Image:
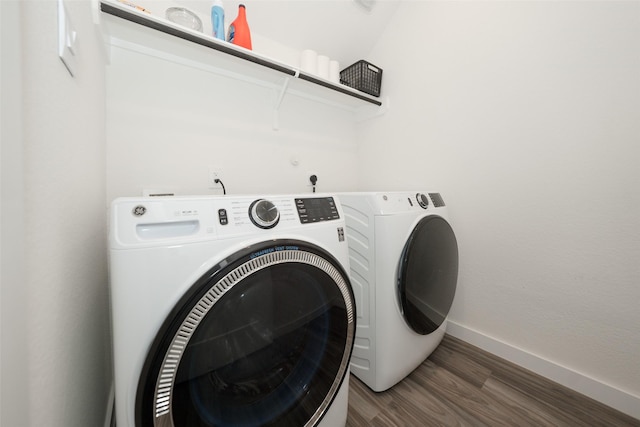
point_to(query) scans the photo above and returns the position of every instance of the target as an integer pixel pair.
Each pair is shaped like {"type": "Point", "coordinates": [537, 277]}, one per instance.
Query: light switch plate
{"type": "Point", "coordinates": [67, 39]}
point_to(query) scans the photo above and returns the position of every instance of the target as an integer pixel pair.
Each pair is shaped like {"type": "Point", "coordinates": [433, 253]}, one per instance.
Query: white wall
{"type": "Point", "coordinates": [13, 300]}
{"type": "Point", "coordinates": [526, 116]}
{"type": "Point", "coordinates": [64, 378]}
{"type": "Point", "coordinates": [168, 122]}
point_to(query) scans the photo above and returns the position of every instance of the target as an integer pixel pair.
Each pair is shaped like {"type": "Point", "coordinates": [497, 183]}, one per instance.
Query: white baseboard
{"type": "Point", "coordinates": [604, 393]}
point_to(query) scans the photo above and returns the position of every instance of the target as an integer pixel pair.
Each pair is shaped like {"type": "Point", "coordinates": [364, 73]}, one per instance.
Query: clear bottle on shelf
{"type": "Point", "coordinates": [217, 19]}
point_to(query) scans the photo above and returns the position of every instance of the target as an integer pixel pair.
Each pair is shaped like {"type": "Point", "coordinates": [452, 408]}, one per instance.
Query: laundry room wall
{"type": "Point", "coordinates": [526, 116]}
{"type": "Point", "coordinates": [169, 120]}
{"type": "Point", "coordinates": [172, 121]}
{"type": "Point", "coordinates": [13, 299]}
{"type": "Point", "coordinates": [57, 369]}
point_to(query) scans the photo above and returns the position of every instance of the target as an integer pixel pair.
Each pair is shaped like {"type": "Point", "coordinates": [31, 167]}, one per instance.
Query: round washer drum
{"type": "Point", "coordinates": [245, 347]}
{"type": "Point", "coordinates": [427, 274]}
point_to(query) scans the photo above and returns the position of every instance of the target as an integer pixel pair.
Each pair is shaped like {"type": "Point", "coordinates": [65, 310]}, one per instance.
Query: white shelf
{"type": "Point", "coordinates": [132, 29]}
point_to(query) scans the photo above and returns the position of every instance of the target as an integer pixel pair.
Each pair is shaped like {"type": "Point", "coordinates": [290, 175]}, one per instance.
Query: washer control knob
{"type": "Point", "coordinates": [423, 200]}
{"type": "Point", "coordinates": [264, 213]}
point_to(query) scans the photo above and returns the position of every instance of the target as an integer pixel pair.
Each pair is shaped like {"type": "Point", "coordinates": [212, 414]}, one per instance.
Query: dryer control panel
{"type": "Point", "coordinates": [317, 209]}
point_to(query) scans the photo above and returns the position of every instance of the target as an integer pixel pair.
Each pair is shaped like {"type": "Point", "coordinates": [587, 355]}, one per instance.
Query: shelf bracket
{"type": "Point", "coordinates": [279, 98]}
{"type": "Point", "coordinates": [367, 112]}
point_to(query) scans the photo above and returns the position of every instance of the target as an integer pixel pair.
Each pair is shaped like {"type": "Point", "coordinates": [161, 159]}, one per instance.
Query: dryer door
{"type": "Point", "coordinates": [263, 339]}
{"type": "Point", "coordinates": [428, 274]}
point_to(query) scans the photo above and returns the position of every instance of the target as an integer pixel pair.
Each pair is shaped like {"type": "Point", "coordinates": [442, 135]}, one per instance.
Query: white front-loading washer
{"type": "Point", "coordinates": [230, 311]}
{"type": "Point", "coordinates": [404, 270]}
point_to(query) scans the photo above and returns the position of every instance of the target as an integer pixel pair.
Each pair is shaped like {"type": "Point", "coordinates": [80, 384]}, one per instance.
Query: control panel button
{"type": "Point", "coordinates": [222, 217]}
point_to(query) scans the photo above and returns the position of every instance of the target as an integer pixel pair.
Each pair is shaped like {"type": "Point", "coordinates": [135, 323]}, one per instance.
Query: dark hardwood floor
{"type": "Point", "coordinates": [461, 385]}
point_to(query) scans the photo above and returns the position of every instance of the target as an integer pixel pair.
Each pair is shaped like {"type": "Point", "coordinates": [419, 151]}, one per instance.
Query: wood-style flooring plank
{"type": "Point", "coordinates": [467, 400]}
{"type": "Point", "coordinates": [536, 413]}
{"type": "Point", "coordinates": [461, 385]}
{"type": "Point", "coordinates": [411, 394]}
{"type": "Point", "coordinates": [579, 409]}
{"type": "Point", "coordinates": [460, 365]}
{"type": "Point", "coordinates": [364, 404]}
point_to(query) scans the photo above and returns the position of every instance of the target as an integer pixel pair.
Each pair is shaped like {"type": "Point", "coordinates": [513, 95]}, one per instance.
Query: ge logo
{"type": "Point", "coordinates": [139, 210]}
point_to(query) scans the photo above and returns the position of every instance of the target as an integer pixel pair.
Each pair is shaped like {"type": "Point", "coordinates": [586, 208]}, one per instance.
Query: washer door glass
{"type": "Point", "coordinates": [428, 274]}
{"type": "Point", "coordinates": [262, 340]}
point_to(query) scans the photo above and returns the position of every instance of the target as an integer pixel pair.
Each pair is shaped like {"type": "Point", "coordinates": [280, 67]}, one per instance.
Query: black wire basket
{"type": "Point", "coordinates": [363, 76]}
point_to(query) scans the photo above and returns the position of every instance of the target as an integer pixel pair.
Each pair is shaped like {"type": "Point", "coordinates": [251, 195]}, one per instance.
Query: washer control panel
{"type": "Point", "coordinates": [147, 221]}
{"type": "Point", "coordinates": [316, 209]}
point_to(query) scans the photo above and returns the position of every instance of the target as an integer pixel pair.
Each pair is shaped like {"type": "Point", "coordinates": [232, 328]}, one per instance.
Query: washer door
{"type": "Point", "coordinates": [428, 274]}
{"type": "Point", "coordinates": [263, 339]}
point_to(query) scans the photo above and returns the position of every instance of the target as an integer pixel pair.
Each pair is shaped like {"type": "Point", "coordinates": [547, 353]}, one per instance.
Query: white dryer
{"type": "Point", "coordinates": [230, 311]}
{"type": "Point", "coordinates": [404, 269]}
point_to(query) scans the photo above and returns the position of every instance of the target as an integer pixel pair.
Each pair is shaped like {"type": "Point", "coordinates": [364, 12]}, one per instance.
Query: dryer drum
{"type": "Point", "coordinates": [262, 339]}
{"type": "Point", "coordinates": [428, 274]}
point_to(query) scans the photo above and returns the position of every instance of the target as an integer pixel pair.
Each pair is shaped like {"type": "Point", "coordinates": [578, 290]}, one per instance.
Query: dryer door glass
{"type": "Point", "coordinates": [264, 340]}
{"type": "Point", "coordinates": [428, 274]}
